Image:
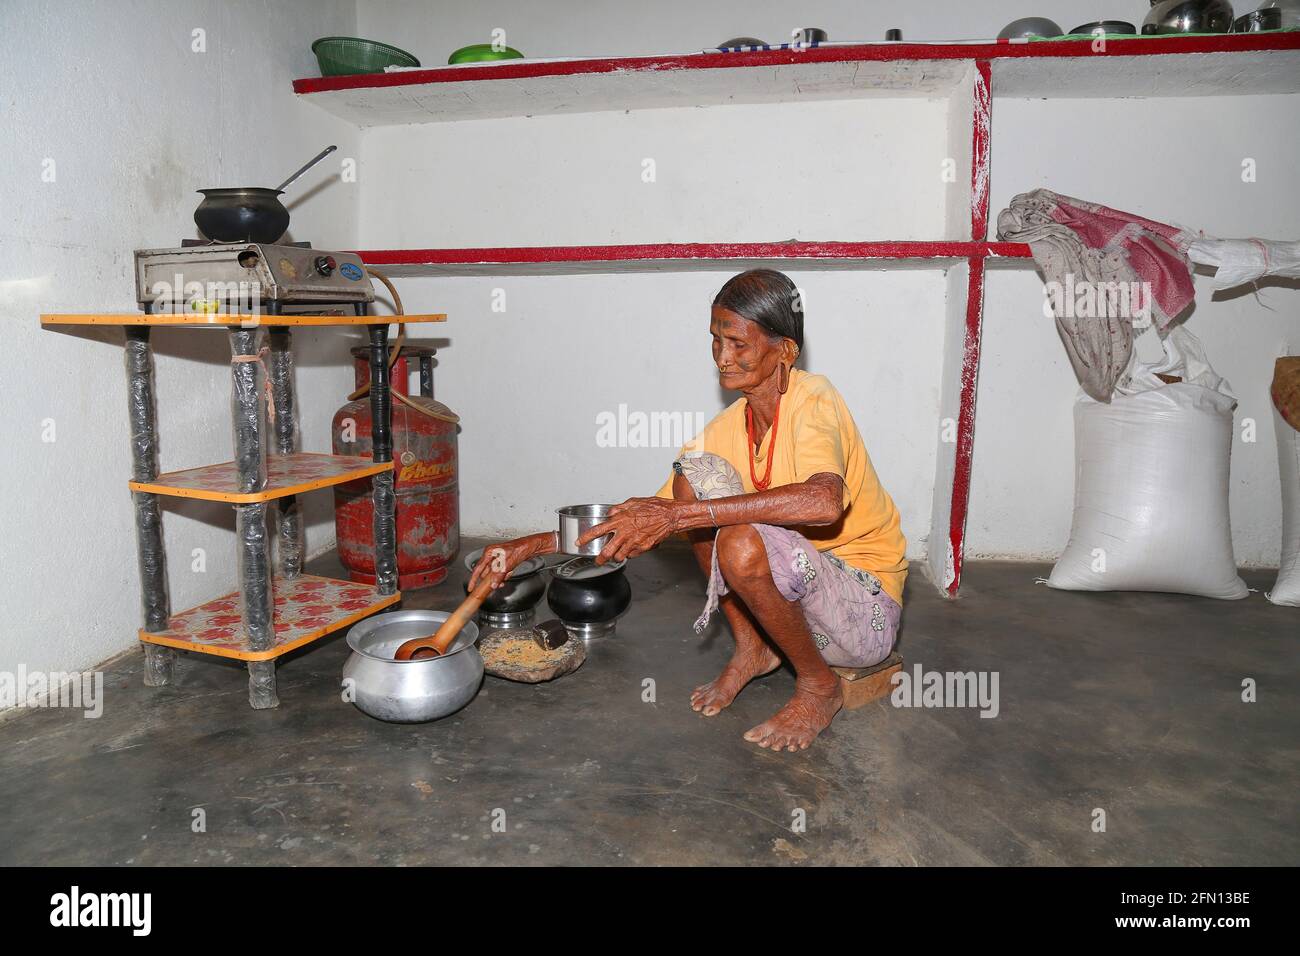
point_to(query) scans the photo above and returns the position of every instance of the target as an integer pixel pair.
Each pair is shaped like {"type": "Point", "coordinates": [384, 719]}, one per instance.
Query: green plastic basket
{"type": "Point", "coordinates": [345, 56]}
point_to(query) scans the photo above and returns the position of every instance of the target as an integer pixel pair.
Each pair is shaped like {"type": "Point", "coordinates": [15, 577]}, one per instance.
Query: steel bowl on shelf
{"type": "Point", "coordinates": [410, 692]}
{"type": "Point", "coordinates": [574, 520]}
{"type": "Point", "coordinates": [1288, 9]}
{"type": "Point", "coordinates": [1030, 27]}
{"type": "Point", "coordinates": [1107, 28]}
{"type": "Point", "coordinates": [1188, 16]}
{"type": "Point", "coordinates": [1258, 21]}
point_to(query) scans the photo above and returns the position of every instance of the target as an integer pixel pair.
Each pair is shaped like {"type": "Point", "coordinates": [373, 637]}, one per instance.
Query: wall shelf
{"type": "Point", "coordinates": [684, 257]}
{"type": "Point", "coordinates": [1231, 64]}
{"type": "Point", "coordinates": [292, 474]}
{"type": "Point", "coordinates": [306, 609]}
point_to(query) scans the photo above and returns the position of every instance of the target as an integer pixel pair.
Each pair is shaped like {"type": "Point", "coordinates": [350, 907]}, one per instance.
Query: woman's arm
{"type": "Point", "coordinates": [500, 559]}
{"type": "Point", "coordinates": [816, 501]}
{"type": "Point", "coordinates": [640, 524]}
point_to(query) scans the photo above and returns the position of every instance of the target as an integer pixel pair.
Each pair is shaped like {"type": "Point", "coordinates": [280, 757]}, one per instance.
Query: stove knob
{"type": "Point", "coordinates": [325, 265]}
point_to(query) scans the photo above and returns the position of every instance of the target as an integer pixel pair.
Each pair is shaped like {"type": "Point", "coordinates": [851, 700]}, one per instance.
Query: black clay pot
{"type": "Point", "coordinates": [244, 214]}
{"type": "Point", "coordinates": [588, 606]}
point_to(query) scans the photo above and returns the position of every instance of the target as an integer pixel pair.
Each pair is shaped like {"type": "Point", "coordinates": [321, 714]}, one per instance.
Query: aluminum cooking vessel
{"type": "Point", "coordinates": [414, 691]}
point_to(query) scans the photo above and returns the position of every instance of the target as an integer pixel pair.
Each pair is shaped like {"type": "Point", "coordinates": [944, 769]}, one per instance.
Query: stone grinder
{"type": "Point", "coordinates": [436, 644]}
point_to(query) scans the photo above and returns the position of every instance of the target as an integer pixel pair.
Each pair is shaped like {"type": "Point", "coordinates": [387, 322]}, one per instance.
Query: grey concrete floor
{"type": "Point", "coordinates": [1128, 703]}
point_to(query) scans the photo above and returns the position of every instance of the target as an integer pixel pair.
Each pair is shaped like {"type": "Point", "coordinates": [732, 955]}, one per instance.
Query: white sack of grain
{"type": "Point", "coordinates": [1151, 483]}
{"type": "Point", "coordinates": [1287, 588]}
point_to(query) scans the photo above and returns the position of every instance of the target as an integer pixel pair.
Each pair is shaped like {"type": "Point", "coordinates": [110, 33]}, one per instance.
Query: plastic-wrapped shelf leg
{"type": "Point", "coordinates": [254, 574]}
{"type": "Point", "coordinates": [289, 512]}
{"type": "Point", "coordinates": [254, 553]}
{"type": "Point", "coordinates": [291, 536]}
{"type": "Point", "coordinates": [281, 372]}
{"type": "Point", "coordinates": [159, 661]}
{"type": "Point", "coordinates": [261, 685]}
{"type": "Point", "coordinates": [248, 410]}
{"type": "Point", "coordinates": [159, 665]}
{"type": "Point", "coordinates": [385, 498]}
{"type": "Point", "coordinates": [255, 589]}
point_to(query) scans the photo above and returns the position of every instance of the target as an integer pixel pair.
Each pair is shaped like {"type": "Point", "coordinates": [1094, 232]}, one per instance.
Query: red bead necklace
{"type": "Point", "coordinates": [771, 445]}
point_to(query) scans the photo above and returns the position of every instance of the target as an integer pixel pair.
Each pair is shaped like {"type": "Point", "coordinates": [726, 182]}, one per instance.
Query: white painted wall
{"type": "Point", "coordinates": [1178, 161]}
{"type": "Point", "coordinates": [432, 30]}
{"type": "Point", "coordinates": [135, 122]}
{"type": "Point", "coordinates": [557, 180]}
{"type": "Point", "coordinates": [530, 383]}
{"type": "Point", "coordinates": [760, 173]}
{"type": "Point", "coordinates": [729, 173]}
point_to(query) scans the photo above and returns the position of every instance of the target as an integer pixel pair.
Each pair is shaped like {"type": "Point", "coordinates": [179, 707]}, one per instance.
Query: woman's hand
{"type": "Point", "coordinates": [500, 559]}
{"type": "Point", "coordinates": [638, 525]}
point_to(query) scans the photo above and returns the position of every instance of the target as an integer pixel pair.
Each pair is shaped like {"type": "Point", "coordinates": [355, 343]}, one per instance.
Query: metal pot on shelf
{"type": "Point", "coordinates": [1288, 13]}
{"type": "Point", "coordinates": [1027, 27]}
{"type": "Point", "coordinates": [1188, 16]}
{"type": "Point", "coordinates": [1103, 28]}
{"type": "Point", "coordinates": [1259, 21]}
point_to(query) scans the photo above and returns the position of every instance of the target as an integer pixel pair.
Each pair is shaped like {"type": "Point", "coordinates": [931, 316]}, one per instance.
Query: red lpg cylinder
{"type": "Point", "coordinates": [425, 469]}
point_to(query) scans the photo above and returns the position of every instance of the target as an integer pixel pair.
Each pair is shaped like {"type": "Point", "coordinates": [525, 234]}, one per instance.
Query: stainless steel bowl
{"type": "Point", "coordinates": [410, 692]}
{"type": "Point", "coordinates": [511, 605]}
{"type": "Point", "coordinates": [1107, 28]}
{"type": "Point", "coordinates": [1030, 27]}
{"type": "Point", "coordinates": [1259, 21]}
{"type": "Point", "coordinates": [574, 520]}
{"type": "Point", "coordinates": [1188, 16]}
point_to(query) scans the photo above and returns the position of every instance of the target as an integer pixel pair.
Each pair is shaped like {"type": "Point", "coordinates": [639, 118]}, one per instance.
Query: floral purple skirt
{"type": "Point", "coordinates": [852, 619]}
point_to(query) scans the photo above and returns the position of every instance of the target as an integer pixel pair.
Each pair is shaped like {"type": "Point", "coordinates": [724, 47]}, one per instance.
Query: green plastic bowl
{"type": "Point", "coordinates": [346, 56]}
{"type": "Point", "coordinates": [481, 52]}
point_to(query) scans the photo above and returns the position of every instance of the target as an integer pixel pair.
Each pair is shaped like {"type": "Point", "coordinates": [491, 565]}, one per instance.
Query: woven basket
{"type": "Point", "coordinates": [346, 56]}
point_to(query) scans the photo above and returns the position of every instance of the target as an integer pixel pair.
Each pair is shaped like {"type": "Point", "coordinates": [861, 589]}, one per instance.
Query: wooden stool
{"type": "Point", "coordinates": [862, 685]}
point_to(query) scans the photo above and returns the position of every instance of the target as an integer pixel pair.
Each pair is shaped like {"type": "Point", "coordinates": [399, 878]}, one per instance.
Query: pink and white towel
{"type": "Point", "coordinates": [1081, 245]}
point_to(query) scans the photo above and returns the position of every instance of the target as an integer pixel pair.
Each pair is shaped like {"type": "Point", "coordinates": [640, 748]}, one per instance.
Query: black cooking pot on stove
{"type": "Point", "coordinates": [588, 597]}
{"type": "Point", "coordinates": [242, 214]}
{"type": "Point", "coordinates": [248, 213]}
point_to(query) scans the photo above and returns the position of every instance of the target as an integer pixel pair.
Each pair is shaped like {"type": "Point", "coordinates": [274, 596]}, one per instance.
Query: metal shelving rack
{"type": "Point", "coordinates": [269, 615]}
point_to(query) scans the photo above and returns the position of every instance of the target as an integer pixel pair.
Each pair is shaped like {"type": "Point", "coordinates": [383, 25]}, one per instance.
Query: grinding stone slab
{"type": "Point", "coordinates": [574, 653]}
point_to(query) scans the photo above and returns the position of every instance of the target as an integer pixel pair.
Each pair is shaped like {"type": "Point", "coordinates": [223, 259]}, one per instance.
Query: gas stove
{"type": "Point", "coordinates": [250, 276]}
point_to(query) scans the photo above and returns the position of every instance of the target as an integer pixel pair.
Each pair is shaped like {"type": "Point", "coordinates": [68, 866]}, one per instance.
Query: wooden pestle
{"type": "Point", "coordinates": [436, 644]}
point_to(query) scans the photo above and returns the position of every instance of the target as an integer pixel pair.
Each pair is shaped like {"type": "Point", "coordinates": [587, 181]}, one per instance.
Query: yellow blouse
{"type": "Point", "coordinates": [817, 434]}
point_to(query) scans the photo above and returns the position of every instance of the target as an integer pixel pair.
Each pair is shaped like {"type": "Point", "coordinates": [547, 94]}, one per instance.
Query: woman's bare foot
{"type": "Point", "coordinates": [754, 660]}
{"type": "Point", "coordinates": [804, 716]}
